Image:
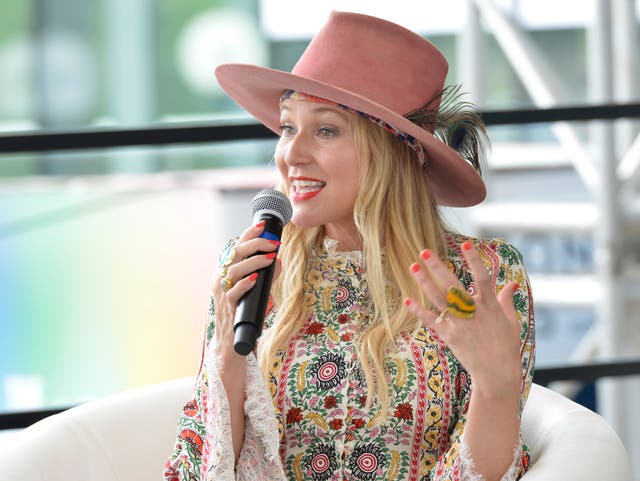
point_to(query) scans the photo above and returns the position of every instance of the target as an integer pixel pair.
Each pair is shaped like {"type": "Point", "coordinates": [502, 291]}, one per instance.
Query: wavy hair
{"type": "Point", "coordinates": [396, 215]}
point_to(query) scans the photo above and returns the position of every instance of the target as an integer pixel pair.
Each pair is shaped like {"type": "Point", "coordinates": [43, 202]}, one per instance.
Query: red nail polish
{"type": "Point", "coordinates": [415, 267]}
{"type": "Point", "coordinates": [260, 224]}
{"type": "Point", "coordinates": [253, 276]}
{"type": "Point", "coordinates": [515, 287]}
{"type": "Point", "coordinates": [425, 254]}
{"type": "Point", "coordinates": [275, 242]}
{"type": "Point", "coordinates": [466, 245]}
{"type": "Point", "coordinates": [407, 302]}
{"type": "Point", "coordinates": [270, 255]}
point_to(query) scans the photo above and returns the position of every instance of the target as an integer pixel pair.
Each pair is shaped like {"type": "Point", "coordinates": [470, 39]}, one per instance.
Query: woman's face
{"type": "Point", "coordinates": [316, 157]}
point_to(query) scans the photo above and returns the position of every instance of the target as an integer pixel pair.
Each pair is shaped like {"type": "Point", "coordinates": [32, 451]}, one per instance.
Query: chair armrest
{"type": "Point", "coordinates": [568, 441]}
{"type": "Point", "coordinates": [124, 436]}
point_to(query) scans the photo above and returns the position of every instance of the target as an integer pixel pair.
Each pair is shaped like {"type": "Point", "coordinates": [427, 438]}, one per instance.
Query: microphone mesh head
{"type": "Point", "coordinates": [271, 201]}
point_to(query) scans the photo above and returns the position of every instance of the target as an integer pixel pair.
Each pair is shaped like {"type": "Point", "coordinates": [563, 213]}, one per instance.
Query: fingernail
{"type": "Point", "coordinates": [415, 267]}
{"type": "Point", "coordinates": [515, 287]}
{"type": "Point", "coordinates": [270, 255]}
{"type": "Point", "coordinates": [253, 276]}
{"type": "Point", "coordinates": [466, 245]}
{"type": "Point", "coordinates": [407, 302]}
{"type": "Point", "coordinates": [275, 242]}
{"type": "Point", "coordinates": [425, 254]}
{"type": "Point", "coordinates": [261, 223]}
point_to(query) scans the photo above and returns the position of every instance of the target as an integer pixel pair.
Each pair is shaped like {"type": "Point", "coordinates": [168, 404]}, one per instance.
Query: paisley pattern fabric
{"type": "Point", "coordinates": [325, 429]}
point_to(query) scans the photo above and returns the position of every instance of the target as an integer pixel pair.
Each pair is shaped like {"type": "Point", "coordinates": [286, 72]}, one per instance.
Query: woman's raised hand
{"type": "Point", "coordinates": [480, 327]}
{"type": "Point", "coordinates": [236, 276]}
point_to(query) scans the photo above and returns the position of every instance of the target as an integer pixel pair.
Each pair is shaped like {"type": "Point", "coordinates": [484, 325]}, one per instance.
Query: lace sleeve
{"type": "Point", "coordinates": [259, 458]}
{"type": "Point", "coordinates": [456, 464]}
{"type": "Point", "coordinates": [203, 450]}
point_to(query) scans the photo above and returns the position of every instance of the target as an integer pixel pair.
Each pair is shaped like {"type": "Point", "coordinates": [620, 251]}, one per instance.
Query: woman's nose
{"type": "Point", "coordinates": [298, 150]}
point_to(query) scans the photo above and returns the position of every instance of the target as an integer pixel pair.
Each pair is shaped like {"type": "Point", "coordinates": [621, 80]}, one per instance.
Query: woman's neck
{"type": "Point", "coordinates": [347, 239]}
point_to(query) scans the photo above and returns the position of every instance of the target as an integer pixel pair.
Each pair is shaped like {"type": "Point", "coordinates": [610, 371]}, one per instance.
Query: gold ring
{"type": "Point", "coordinates": [222, 271]}
{"type": "Point", "coordinates": [226, 283]}
{"type": "Point", "coordinates": [440, 318]}
{"type": "Point", "coordinates": [460, 303]}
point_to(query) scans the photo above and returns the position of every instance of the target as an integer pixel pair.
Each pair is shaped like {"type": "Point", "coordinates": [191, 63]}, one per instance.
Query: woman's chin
{"type": "Point", "coordinates": [303, 222]}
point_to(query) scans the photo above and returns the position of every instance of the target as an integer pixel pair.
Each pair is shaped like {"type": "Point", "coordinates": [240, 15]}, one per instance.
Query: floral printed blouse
{"type": "Point", "coordinates": [309, 420]}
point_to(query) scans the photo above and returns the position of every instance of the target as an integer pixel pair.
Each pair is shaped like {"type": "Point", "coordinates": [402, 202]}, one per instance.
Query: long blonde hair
{"type": "Point", "coordinates": [395, 213]}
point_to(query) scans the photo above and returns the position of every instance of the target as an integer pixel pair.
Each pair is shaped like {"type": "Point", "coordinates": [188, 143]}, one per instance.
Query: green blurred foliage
{"type": "Point", "coordinates": [14, 19]}
{"type": "Point", "coordinates": [173, 96]}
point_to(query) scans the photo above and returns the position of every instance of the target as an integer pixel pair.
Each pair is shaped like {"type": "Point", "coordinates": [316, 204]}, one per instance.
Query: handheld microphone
{"type": "Point", "coordinates": [274, 208]}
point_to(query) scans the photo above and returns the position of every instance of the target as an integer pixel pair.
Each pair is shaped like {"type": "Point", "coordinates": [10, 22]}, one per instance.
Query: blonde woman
{"type": "Point", "coordinates": [394, 349]}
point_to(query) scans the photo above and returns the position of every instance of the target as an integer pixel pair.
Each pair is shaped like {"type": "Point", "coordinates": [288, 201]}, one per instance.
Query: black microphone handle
{"type": "Point", "coordinates": [252, 305]}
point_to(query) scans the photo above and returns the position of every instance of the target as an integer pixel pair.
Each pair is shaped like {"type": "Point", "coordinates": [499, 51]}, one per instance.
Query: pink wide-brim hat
{"type": "Point", "coordinates": [370, 65]}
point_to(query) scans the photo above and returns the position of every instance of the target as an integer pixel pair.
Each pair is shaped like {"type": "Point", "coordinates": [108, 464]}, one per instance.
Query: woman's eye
{"type": "Point", "coordinates": [286, 129]}
{"type": "Point", "coordinates": [327, 132]}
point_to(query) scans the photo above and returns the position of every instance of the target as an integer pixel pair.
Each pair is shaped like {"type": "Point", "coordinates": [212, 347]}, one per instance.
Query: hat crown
{"type": "Point", "coordinates": [376, 59]}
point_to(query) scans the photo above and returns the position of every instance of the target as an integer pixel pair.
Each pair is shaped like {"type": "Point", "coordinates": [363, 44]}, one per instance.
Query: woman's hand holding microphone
{"type": "Point", "coordinates": [236, 275]}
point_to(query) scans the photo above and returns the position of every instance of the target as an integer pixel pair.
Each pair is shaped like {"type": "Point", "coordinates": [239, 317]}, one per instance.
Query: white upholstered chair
{"type": "Point", "coordinates": [128, 436]}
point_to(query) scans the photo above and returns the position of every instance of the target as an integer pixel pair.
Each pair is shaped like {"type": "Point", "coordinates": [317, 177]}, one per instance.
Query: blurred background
{"type": "Point", "coordinates": [107, 254]}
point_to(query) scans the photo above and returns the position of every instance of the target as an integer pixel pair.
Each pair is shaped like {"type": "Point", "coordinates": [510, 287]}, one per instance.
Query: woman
{"type": "Point", "coordinates": [394, 348]}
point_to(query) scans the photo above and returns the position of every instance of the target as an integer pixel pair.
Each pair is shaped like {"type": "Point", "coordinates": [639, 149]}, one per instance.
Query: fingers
{"type": "Point", "coordinates": [479, 271]}
{"type": "Point", "coordinates": [245, 267]}
{"type": "Point", "coordinates": [439, 284]}
{"type": "Point", "coordinates": [252, 231]}
{"type": "Point", "coordinates": [439, 271]}
{"type": "Point", "coordinates": [240, 262]}
{"type": "Point", "coordinates": [248, 254]}
{"type": "Point", "coordinates": [434, 278]}
{"type": "Point", "coordinates": [239, 288]}
{"type": "Point", "coordinates": [249, 242]}
{"type": "Point", "coordinates": [426, 315]}
{"type": "Point", "coordinates": [436, 281]}
{"type": "Point", "coordinates": [506, 299]}
{"type": "Point", "coordinates": [428, 285]}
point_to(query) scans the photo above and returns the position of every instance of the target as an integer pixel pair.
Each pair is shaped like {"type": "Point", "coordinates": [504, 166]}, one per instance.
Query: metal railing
{"type": "Point", "coordinates": [37, 141]}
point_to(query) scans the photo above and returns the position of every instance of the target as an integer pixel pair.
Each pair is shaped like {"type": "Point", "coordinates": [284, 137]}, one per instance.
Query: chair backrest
{"type": "Point", "coordinates": [123, 437]}
{"type": "Point", "coordinates": [568, 441]}
{"type": "Point", "coordinates": [130, 435]}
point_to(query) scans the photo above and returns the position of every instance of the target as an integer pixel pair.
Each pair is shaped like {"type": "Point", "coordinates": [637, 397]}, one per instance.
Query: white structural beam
{"type": "Point", "coordinates": [607, 235]}
{"type": "Point", "coordinates": [541, 83]}
{"type": "Point", "coordinates": [629, 166]}
{"type": "Point", "coordinates": [575, 290]}
{"type": "Point", "coordinates": [619, 398]}
{"type": "Point", "coordinates": [470, 53]}
{"type": "Point", "coordinates": [536, 217]}
{"type": "Point", "coordinates": [626, 69]}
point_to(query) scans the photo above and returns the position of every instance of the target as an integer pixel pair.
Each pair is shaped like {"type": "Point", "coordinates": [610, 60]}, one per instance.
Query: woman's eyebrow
{"type": "Point", "coordinates": [322, 109]}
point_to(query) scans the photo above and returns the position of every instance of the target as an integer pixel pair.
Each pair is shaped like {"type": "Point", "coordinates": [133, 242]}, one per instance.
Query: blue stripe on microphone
{"type": "Point", "coordinates": [269, 235]}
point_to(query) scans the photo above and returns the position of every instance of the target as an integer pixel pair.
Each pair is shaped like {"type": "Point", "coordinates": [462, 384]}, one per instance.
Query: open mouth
{"type": "Point", "coordinates": [306, 186]}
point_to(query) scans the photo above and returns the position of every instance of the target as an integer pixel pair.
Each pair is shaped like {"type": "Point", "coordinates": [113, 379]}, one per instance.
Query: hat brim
{"type": "Point", "coordinates": [257, 89]}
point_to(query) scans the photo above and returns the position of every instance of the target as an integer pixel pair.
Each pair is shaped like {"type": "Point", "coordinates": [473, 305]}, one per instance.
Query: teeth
{"type": "Point", "coordinates": [307, 185]}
